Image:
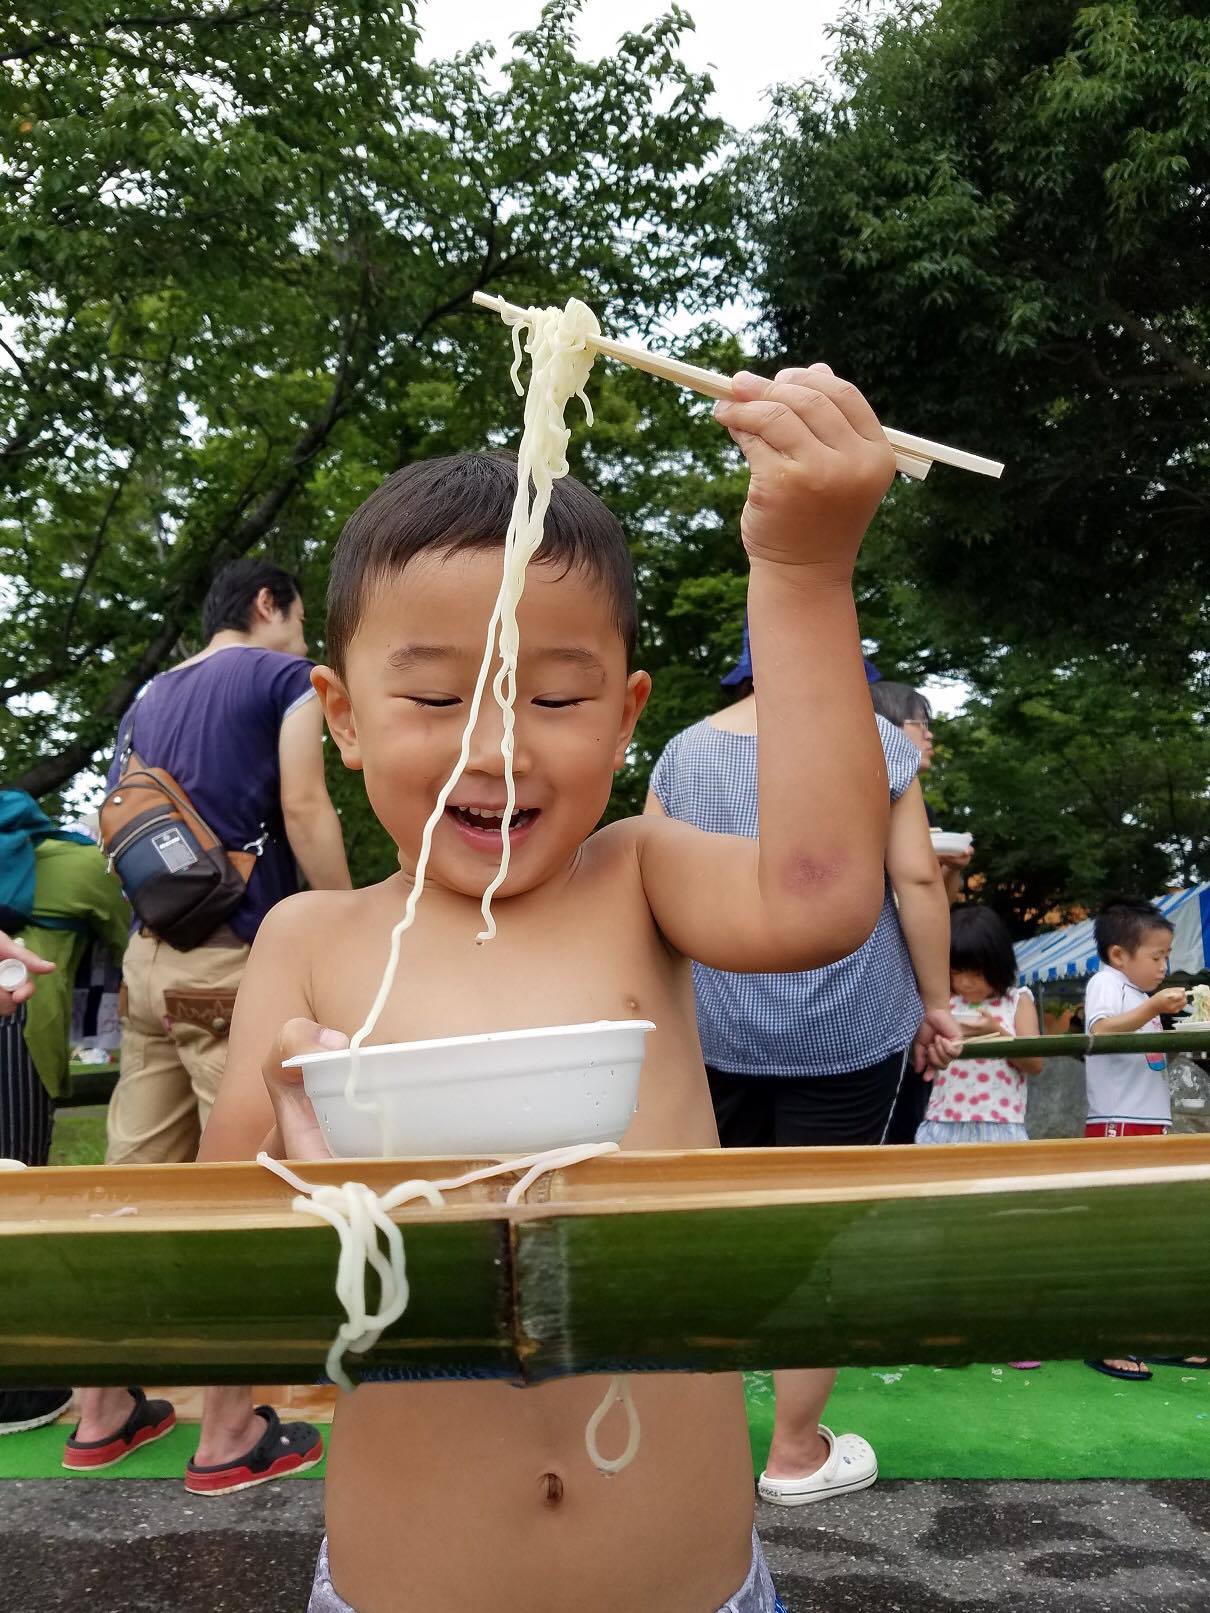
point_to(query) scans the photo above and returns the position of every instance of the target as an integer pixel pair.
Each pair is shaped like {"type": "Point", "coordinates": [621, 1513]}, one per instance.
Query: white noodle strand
{"type": "Point", "coordinates": [560, 364]}
{"type": "Point", "coordinates": [357, 1215]}
{"type": "Point", "coordinates": [618, 1393]}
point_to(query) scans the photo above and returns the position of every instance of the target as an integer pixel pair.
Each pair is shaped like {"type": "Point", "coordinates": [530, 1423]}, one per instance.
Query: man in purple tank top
{"type": "Point", "coordinates": [240, 730]}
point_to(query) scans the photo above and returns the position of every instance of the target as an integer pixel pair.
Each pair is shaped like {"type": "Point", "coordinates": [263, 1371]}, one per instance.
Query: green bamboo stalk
{"type": "Point", "coordinates": [255, 1305]}
{"type": "Point", "coordinates": [1190, 1039]}
{"type": "Point", "coordinates": [929, 1280]}
{"type": "Point", "coordinates": [690, 1262]}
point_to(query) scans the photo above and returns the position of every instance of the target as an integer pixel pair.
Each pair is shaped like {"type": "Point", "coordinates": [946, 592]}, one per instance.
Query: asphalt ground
{"type": "Point", "coordinates": [948, 1547]}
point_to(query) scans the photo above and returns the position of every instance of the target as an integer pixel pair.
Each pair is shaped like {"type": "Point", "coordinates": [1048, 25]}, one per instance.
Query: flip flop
{"type": "Point", "coordinates": [282, 1448]}
{"type": "Point", "coordinates": [1025, 1366]}
{"type": "Point", "coordinates": [149, 1420]}
{"type": "Point", "coordinates": [851, 1465]}
{"type": "Point", "coordinates": [1142, 1376]}
{"type": "Point", "coordinates": [1181, 1361]}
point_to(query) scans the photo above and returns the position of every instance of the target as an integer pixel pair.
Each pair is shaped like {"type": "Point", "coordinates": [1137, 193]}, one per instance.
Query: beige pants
{"type": "Point", "coordinates": [171, 1064]}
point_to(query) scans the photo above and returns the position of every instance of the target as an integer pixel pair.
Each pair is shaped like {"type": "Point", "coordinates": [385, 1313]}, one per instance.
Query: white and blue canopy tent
{"type": "Point", "coordinates": [1071, 953]}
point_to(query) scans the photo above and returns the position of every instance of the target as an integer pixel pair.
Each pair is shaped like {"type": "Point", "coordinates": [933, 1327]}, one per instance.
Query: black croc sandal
{"type": "Point", "coordinates": [149, 1420]}
{"type": "Point", "coordinates": [282, 1448]}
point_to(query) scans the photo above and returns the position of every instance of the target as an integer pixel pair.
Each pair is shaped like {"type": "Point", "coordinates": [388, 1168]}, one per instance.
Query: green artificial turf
{"type": "Point", "coordinates": [983, 1422]}
{"type": "Point", "coordinates": [1063, 1421]}
{"type": "Point", "coordinates": [79, 1136]}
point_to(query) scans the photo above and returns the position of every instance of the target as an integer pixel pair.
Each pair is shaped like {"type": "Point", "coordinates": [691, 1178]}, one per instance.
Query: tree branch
{"type": "Point", "coordinates": [1159, 343]}
{"type": "Point", "coordinates": [34, 682]}
{"type": "Point", "coordinates": [21, 369]}
{"type": "Point", "coordinates": [228, 19]}
{"type": "Point", "coordinates": [54, 771]}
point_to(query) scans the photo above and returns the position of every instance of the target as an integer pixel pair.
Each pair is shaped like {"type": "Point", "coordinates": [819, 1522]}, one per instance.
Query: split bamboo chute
{"type": "Point", "coordinates": [700, 1261]}
{"type": "Point", "coordinates": [914, 456]}
{"type": "Point", "coordinates": [1183, 1039]}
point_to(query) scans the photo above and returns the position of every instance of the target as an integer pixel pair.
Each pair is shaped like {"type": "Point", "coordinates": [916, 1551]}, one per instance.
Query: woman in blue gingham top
{"type": "Point", "coordinates": [843, 1017]}
{"type": "Point", "coordinates": [814, 1057]}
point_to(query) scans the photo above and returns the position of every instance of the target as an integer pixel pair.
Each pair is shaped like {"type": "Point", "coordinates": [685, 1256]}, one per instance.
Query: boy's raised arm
{"type": "Point", "coordinates": [811, 889]}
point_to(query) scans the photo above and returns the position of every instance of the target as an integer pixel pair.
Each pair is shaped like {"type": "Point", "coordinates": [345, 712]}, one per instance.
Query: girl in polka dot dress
{"type": "Point", "coordinates": [977, 1100]}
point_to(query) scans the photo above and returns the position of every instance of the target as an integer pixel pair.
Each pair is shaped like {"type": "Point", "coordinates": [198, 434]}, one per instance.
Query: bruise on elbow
{"type": "Point", "coordinates": [805, 876]}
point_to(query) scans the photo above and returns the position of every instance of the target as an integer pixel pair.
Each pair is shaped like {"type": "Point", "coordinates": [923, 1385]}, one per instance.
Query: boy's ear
{"type": "Point", "coordinates": [338, 712]}
{"type": "Point", "coordinates": [638, 690]}
{"type": "Point", "coordinates": [1118, 955]}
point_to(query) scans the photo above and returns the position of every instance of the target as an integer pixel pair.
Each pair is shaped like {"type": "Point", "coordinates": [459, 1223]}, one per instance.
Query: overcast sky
{"type": "Point", "coordinates": [746, 46]}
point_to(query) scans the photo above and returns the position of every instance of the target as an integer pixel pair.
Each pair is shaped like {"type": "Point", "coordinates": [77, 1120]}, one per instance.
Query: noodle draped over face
{"type": "Point", "coordinates": [560, 361]}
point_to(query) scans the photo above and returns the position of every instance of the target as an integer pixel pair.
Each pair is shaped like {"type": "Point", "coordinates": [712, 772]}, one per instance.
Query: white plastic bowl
{"type": "Point", "coordinates": [506, 1092]}
{"type": "Point", "coordinates": [950, 842]}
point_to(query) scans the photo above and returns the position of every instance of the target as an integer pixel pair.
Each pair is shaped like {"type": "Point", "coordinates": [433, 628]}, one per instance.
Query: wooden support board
{"type": "Point", "coordinates": [701, 1261]}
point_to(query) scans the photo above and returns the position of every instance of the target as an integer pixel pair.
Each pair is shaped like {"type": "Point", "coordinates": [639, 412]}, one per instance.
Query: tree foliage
{"type": "Point", "coordinates": [1078, 781]}
{"type": "Point", "coordinates": [999, 225]}
{"type": "Point", "coordinates": [237, 250]}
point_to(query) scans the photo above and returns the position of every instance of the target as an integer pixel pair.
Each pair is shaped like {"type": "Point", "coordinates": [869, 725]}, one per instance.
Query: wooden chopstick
{"type": "Point", "coordinates": [913, 455]}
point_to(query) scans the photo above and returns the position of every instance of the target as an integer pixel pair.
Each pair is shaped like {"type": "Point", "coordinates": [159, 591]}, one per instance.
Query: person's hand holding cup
{"type": "Point", "coordinates": [18, 970]}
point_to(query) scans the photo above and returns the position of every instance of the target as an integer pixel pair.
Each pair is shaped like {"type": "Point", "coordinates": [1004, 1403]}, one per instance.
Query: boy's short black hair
{"type": "Point", "coordinates": [900, 703]}
{"type": "Point", "coordinates": [980, 942]}
{"type": "Point", "coordinates": [1124, 922]}
{"type": "Point", "coordinates": [232, 594]}
{"type": "Point", "coordinates": [463, 502]}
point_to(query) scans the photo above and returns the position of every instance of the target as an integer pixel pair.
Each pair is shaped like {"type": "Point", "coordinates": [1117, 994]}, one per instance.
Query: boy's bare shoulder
{"type": "Point", "coordinates": [617, 841]}
{"type": "Point", "coordinates": [628, 836]}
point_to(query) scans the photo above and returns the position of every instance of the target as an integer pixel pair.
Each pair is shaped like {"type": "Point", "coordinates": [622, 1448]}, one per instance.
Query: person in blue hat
{"type": "Point", "coordinates": [740, 676]}
{"type": "Point", "coordinates": [818, 1057]}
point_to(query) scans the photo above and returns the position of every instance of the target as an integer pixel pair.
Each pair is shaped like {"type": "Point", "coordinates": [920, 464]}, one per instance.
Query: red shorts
{"type": "Point", "coordinates": [1124, 1128]}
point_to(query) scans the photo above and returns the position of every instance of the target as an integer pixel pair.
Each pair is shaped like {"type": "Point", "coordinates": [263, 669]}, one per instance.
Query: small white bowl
{"type": "Point", "coordinates": [950, 842]}
{"type": "Point", "coordinates": [506, 1092]}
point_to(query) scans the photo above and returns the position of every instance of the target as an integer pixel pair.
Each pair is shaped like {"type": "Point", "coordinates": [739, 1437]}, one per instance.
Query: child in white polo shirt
{"type": "Point", "coordinates": [1128, 1092]}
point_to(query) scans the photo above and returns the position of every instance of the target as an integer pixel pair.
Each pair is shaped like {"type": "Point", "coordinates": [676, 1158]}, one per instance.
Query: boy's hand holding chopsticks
{"type": "Point", "coordinates": [820, 466]}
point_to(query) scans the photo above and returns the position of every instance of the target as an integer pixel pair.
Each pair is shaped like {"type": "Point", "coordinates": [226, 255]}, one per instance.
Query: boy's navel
{"type": "Point", "coordinates": [552, 1489]}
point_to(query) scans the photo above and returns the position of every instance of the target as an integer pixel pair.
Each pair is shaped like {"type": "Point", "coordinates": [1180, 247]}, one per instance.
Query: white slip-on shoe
{"type": "Point", "coordinates": [851, 1465]}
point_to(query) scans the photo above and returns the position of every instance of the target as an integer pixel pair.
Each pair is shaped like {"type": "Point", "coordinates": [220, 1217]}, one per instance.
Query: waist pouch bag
{"type": "Point", "coordinates": [179, 878]}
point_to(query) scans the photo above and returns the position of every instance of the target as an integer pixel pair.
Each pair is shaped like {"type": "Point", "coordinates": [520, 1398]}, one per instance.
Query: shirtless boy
{"type": "Point", "coordinates": [455, 1495]}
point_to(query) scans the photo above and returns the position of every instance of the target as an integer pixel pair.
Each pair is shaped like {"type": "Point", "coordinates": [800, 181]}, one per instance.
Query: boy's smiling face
{"type": "Point", "coordinates": [399, 711]}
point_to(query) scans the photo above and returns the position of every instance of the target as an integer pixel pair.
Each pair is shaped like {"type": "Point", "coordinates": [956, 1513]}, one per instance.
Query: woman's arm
{"type": "Point", "coordinates": [1025, 1023]}
{"type": "Point", "coordinates": [920, 891]}
{"type": "Point", "coordinates": [924, 919]}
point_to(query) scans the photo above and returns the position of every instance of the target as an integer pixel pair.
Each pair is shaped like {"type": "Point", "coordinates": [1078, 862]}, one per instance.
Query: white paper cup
{"type": "Point", "coordinates": [950, 842]}
{"type": "Point", "coordinates": [506, 1092]}
{"type": "Point", "coordinates": [13, 973]}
